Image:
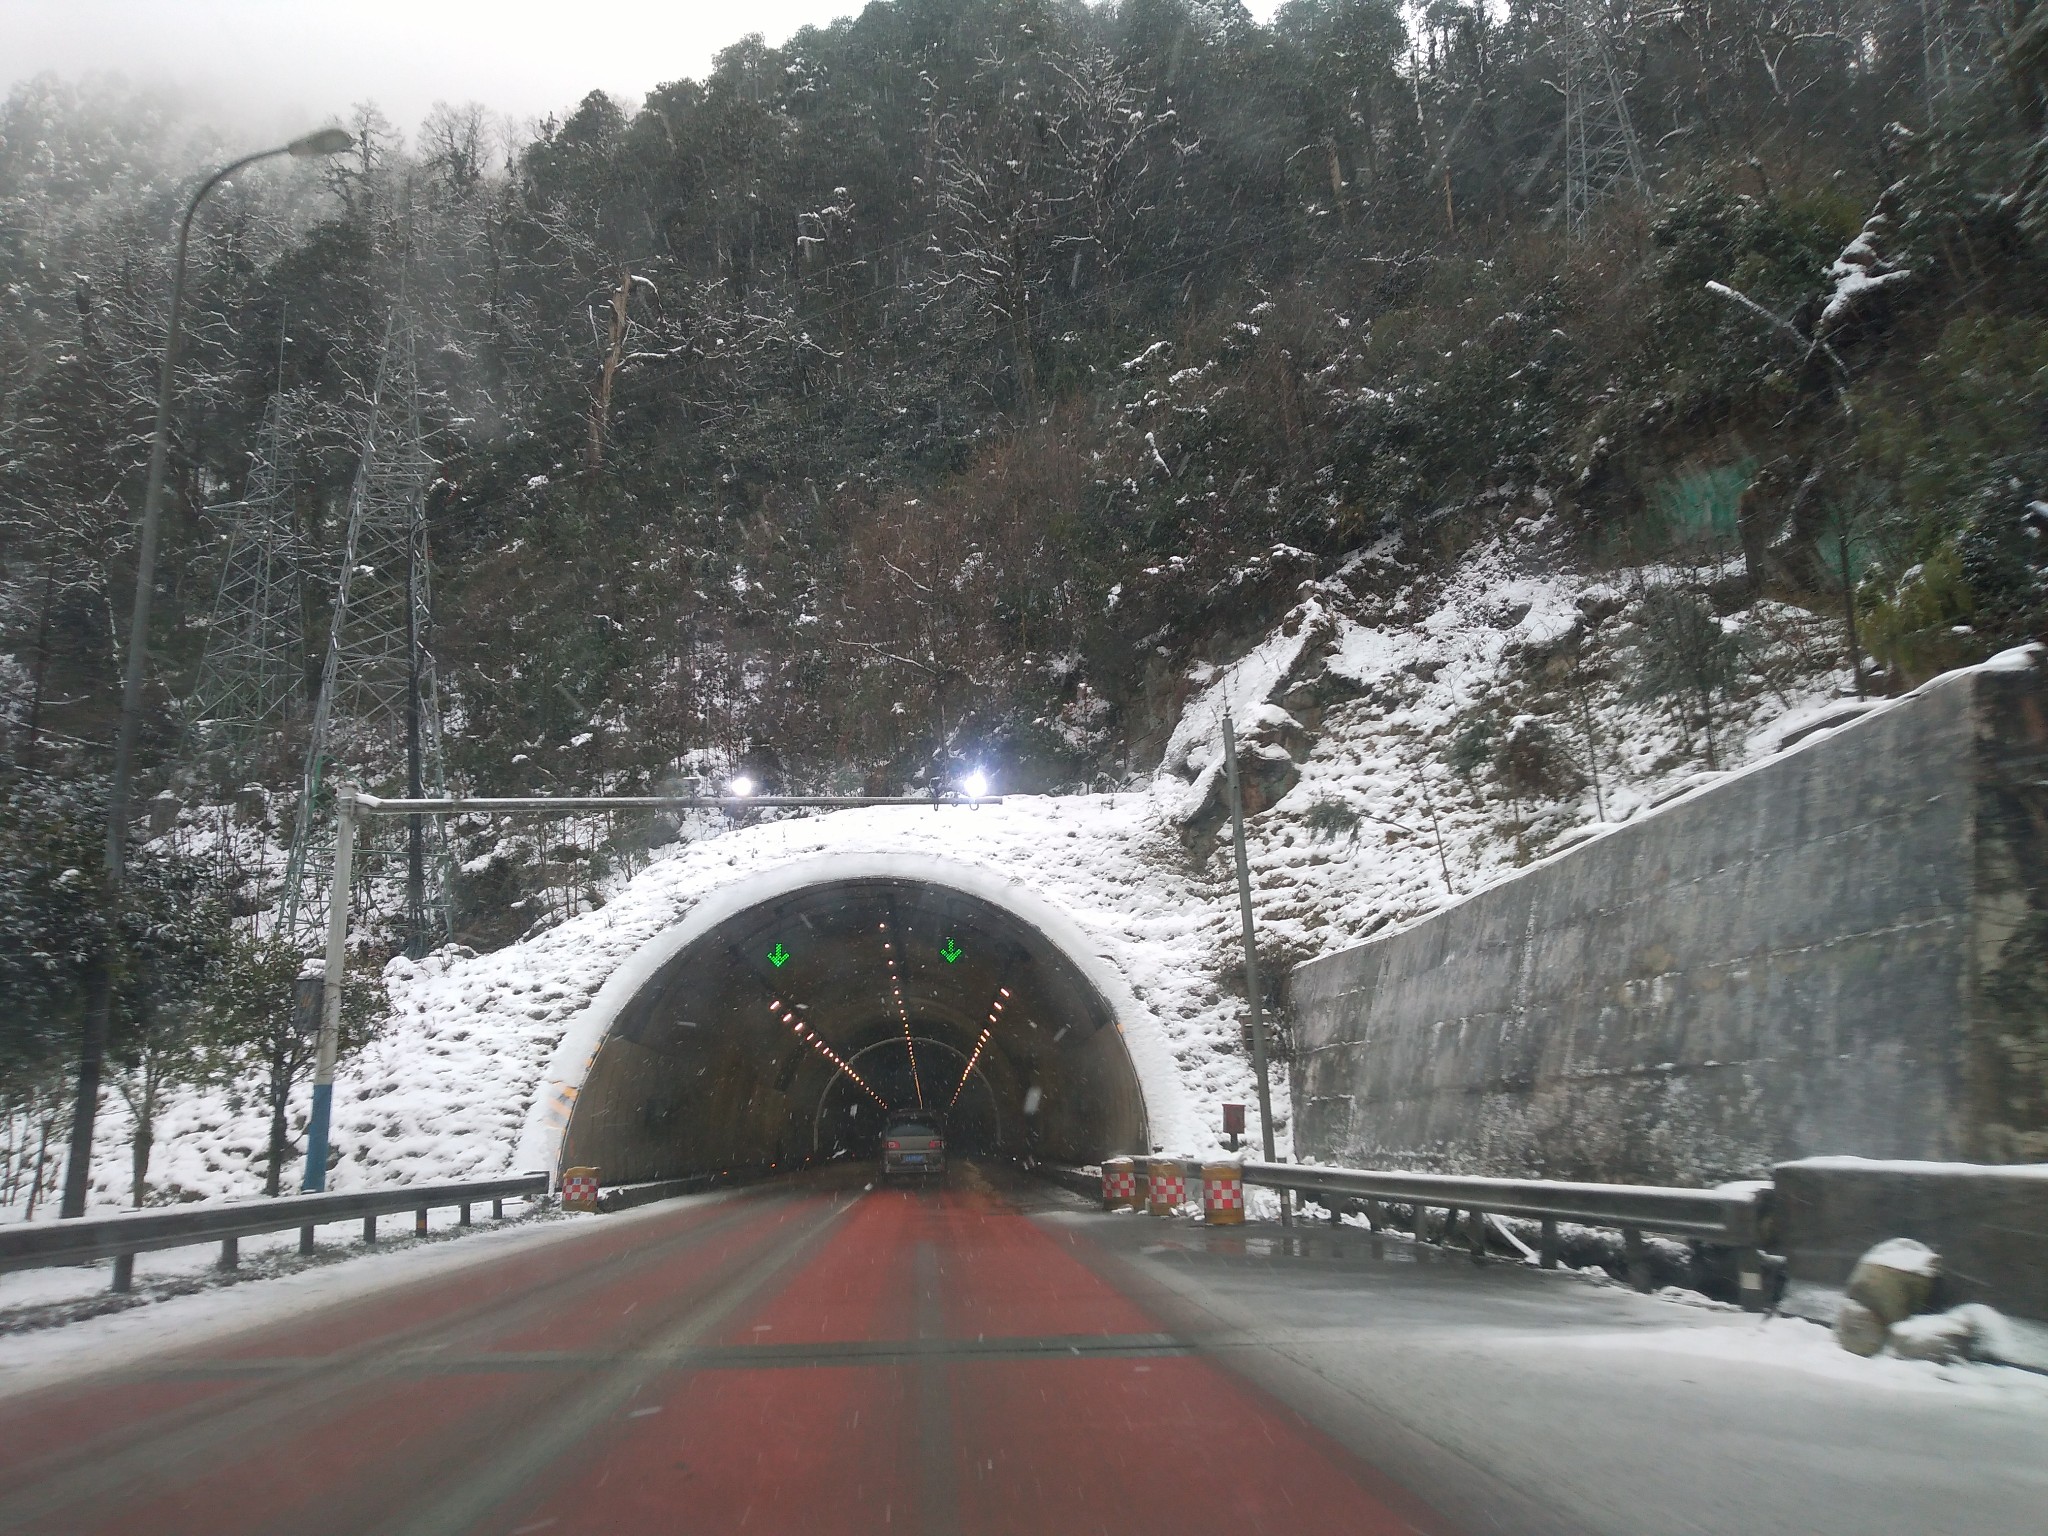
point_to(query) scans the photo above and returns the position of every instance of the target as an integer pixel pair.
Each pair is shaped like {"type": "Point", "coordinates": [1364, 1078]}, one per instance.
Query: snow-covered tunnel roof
{"type": "Point", "coordinates": [481, 1062]}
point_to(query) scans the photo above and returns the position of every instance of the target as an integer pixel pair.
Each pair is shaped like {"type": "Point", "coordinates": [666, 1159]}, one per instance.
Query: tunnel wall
{"type": "Point", "coordinates": [1843, 950]}
{"type": "Point", "coordinates": [588, 1045]}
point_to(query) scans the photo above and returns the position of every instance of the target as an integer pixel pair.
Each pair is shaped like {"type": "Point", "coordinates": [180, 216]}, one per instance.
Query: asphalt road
{"type": "Point", "coordinates": [995, 1357]}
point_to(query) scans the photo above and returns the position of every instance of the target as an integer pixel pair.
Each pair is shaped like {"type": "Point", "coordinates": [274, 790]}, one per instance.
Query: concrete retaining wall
{"type": "Point", "coordinates": [1841, 950]}
{"type": "Point", "coordinates": [1988, 1224]}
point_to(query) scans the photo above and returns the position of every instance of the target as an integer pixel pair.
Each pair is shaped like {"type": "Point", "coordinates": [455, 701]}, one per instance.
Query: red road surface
{"type": "Point", "coordinates": [805, 1358]}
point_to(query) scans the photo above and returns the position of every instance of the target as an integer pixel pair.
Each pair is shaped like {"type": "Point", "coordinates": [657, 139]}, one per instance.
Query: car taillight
{"type": "Point", "coordinates": [937, 1144]}
{"type": "Point", "coordinates": [894, 1146]}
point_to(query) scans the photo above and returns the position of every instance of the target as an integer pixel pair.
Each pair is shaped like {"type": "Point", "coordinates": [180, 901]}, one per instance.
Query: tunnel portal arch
{"type": "Point", "coordinates": [705, 1050]}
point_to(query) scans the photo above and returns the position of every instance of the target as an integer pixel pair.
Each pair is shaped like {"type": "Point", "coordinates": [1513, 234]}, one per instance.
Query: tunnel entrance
{"type": "Point", "coordinates": [792, 1029]}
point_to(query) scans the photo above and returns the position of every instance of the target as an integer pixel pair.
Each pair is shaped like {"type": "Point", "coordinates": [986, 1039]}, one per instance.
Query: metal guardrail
{"type": "Point", "coordinates": [1735, 1217]}
{"type": "Point", "coordinates": [121, 1237]}
{"type": "Point", "coordinates": [1730, 1216]}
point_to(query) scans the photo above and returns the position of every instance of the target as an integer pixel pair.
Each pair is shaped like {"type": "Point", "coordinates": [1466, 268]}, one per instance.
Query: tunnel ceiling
{"type": "Point", "coordinates": [727, 1059]}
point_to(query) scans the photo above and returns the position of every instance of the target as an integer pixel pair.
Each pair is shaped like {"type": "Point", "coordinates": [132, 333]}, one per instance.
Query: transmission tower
{"type": "Point", "coordinates": [249, 672]}
{"type": "Point", "coordinates": [1600, 146]}
{"type": "Point", "coordinates": [1956, 39]}
{"type": "Point", "coordinates": [378, 708]}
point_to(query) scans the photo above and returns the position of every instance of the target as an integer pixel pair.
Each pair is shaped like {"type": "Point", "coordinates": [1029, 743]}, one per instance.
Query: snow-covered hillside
{"type": "Point", "coordinates": [1381, 720]}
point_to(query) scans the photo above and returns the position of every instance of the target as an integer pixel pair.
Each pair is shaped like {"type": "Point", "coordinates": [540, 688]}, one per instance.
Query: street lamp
{"type": "Point", "coordinates": [93, 1044]}
{"type": "Point", "coordinates": [741, 787]}
{"type": "Point", "coordinates": [975, 784]}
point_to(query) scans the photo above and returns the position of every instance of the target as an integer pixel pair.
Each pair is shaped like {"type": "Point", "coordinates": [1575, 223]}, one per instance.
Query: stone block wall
{"type": "Point", "coordinates": [1841, 950]}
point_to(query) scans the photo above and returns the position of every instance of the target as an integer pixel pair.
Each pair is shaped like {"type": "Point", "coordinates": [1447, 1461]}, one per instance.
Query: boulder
{"type": "Point", "coordinates": [1859, 1330]}
{"type": "Point", "coordinates": [1942, 1337]}
{"type": "Point", "coordinates": [1895, 1279]}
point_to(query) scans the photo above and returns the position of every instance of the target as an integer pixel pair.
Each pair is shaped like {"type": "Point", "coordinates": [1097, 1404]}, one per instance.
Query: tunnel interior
{"type": "Point", "coordinates": [794, 1030]}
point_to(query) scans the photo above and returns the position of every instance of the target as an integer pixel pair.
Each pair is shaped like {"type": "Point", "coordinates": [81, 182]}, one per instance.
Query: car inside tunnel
{"type": "Point", "coordinates": [792, 1031]}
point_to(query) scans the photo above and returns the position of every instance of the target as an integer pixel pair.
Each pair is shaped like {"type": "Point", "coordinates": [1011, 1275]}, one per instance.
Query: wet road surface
{"type": "Point", "coordinates": [812, 1356]}
{"type": "Point", "coordinates": [805, 1357]}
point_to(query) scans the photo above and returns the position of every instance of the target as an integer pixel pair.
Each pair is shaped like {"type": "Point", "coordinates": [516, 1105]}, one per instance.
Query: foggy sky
{"type": "Point", "coordinates": [280, 66]}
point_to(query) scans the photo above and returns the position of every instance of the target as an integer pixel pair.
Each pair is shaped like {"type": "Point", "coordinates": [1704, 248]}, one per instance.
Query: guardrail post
{"type": "Point", "coordinates": [1749, 1274]}
{"type": "Point", "coordinates": [1476, 1235]}
{"type": "Point", "coordinates": [1638, 1257]}
{"type": "Point", "coordinates": [1548, 1243]}
{"type": "Point", "coordinates": [230, 1252]}
{"type": "Point", "coordinates": [124, 1272]}
{"type": "Point", "coordinates": [369, 1229]}
{"type": "Point", "coordinates": [465, 1213]}
{"type": "Point", "coordinates": [497, 1210]}
{"type": "Point", "coordinates": [305, 1242]}
{"type": "Point", "coordinates": [1450, 1234]}
{"type": "Point", "coordinates": [419, 1222]}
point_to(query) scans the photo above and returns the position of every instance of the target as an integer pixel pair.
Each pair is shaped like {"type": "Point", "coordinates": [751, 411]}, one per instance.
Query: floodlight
{"type": "Point", "coordinates": [328, 141]}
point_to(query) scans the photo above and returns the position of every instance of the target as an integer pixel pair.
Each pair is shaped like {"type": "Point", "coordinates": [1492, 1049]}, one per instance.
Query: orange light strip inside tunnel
{"type": "Point", "coordinates": [811, 1038]}
{"type": "Point", "coordinates": [896, 990]}
{"type": "Point", "coordinates": [995, 1012]}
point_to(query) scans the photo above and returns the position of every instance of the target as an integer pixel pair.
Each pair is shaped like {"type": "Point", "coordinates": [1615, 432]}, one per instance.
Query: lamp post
{"type": "Point", "coordinates": [99, 1010]}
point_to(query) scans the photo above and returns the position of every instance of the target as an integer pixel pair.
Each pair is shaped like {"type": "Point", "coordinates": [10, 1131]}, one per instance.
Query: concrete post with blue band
{"type": "Point", "coordinates": [315, 1179]}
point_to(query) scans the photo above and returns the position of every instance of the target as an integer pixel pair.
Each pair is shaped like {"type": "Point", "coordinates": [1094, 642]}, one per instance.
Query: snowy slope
{"type": "Point", "coordinates": [1377, 830]}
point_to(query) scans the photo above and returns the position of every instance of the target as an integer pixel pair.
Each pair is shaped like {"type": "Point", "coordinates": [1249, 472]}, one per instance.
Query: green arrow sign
{"type": "Point", "coordinates": [778, 956]}
{"type": "Point", "coordinates": [952, 951]}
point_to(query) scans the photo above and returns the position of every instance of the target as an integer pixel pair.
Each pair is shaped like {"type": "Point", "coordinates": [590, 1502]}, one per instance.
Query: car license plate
{"type": "Point", "coordinates": [913, 1157]}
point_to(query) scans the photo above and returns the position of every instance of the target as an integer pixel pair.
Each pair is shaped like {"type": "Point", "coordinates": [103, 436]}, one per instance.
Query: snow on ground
{"type": "Point", "coordinates": [1795, 1346]}
{"type": "Point", "coordinates": [1378, 830]}
{"type": "Point", "coordinates": [32, 1300]}
{"type": "Point", "coordinates": [187, 1316]}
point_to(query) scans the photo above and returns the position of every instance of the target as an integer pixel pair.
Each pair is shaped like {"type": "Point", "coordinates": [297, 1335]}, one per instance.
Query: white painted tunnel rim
{"type": "Point", "coordinates": [1144, 1039]}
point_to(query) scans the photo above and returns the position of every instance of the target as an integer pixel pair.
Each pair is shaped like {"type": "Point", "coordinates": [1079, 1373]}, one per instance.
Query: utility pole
{"type": "Point", "coordinates": [1251, 951]}
{"type": "Point", "coordinates": [314, 1179]}
{"type": "Point", "coordinates": [417, 936]}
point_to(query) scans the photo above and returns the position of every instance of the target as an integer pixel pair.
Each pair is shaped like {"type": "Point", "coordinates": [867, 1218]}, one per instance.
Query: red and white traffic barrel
{"type": "Point", "coordinates": [1119, 1184]}
{"type": "Point", "coordinates": [1166, 1186]}
{"type": "Point", "coordinates": [579, 1189]}
{"type": "Point", "coordinates": [1223, 1194]}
